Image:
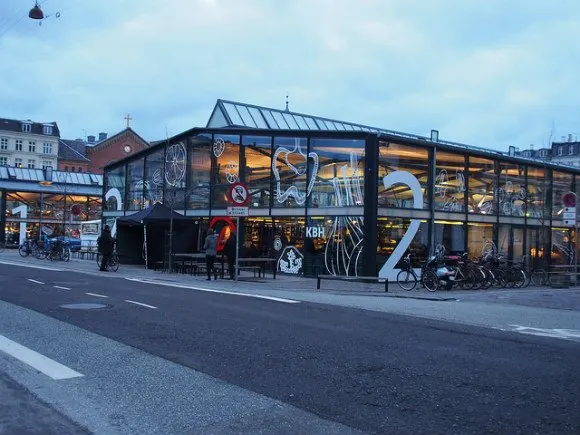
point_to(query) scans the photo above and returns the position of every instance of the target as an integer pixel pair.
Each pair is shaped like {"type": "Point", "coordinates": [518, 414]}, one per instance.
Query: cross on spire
{"type": "Point", "coordinates": [128, 119]}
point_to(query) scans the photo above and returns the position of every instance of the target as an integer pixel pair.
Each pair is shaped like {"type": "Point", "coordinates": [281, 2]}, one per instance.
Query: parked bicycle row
{"type": "Point", "coordinates": [442, 271]}
{"type": "Point", "coordinates": [57, 250]}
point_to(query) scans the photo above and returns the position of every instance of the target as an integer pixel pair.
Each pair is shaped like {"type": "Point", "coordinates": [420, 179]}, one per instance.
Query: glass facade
{"type": "Point", "coordinates": [309, 203]}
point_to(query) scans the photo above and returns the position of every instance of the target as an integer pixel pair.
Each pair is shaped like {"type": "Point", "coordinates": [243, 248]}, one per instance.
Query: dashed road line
{"type": "Point", "coordinates": [249, 295]}
{"type": "Point", "coordinates": [12, 263]}
{"type": "Point", "coordinates": [35, 281]}
{"type": "Point", "coordinates": [36, 360]}
{"type": "Point", "coordinates": [96, 295]}
{"type": "Point", "coordinates": [140, 303]}
{"type": "Point", "coordinates": [61, 287]}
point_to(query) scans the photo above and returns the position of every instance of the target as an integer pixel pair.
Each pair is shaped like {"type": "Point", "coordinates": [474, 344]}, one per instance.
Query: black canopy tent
{"type": "Point", "coordinates": [142, 236]}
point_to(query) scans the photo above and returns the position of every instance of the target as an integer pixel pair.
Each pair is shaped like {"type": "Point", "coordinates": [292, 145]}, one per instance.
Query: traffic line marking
{"type": "Point", "coordinates": [96, 295]}
{"type": "Point", "coordinates": [43, 364]}
{"type": "Point", "coordinates": [11, 263]}
{"type": "Point", "coordinates": [35, 281]}
{"type": "Point", "coordinates": [61, 287]}
{"type": "Point", "coordinates": [566, 334]}
{"type": "Point", "coordinates": [140, 303]}
{"type": "Point", "coordinates": [249, 295]}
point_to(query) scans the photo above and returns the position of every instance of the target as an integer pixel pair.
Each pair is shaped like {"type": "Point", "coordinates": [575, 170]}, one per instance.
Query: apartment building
{"type": "Point", "coordinates": [28, 144]}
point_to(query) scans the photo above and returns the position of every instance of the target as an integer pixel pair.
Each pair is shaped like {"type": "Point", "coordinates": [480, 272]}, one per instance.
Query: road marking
{"type": "Point", "coordinates": [10, 263]}
{"type": "Point", "coordinates": [33, 280]}
{"type": "Point", "coordinates": [43, 364]}
{"type": "Point", "coordinates": [142, 304]}
{"type": "Point", "coordinates": [249, 295]}
{"type": "Point", "coordinates": [96, 295]}
{"type": "Point", "coordinates": [62, 288]}
{"type": "Point", "coordinates": [566, 334]}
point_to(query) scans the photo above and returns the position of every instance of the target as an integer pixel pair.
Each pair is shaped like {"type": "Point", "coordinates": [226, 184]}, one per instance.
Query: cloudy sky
{"type": "Point", "coordinates": [491, 73]}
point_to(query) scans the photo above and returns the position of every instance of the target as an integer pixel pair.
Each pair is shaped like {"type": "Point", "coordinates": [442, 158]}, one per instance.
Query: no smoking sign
{"type": "Point", "coordinates": [239, 194]}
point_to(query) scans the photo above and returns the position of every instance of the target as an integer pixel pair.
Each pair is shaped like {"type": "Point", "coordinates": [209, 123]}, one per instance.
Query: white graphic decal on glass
{"type": "Point", "coordinates": [290, 261]}
{"type": "Point", "coordinates": [345, 240]}
{"type": "Point", "coordinates": [114, 193]}
{"type": "Point", "coordinates": [175, 164]}
{"type": "Point", "coordinates": [388, 270]}
{"type": "Point", "coordinates": [232, 171]}
{"type": "Point", "coordinates": [292, 191]}
{"type": "Point", "coordinates": [219, 146]}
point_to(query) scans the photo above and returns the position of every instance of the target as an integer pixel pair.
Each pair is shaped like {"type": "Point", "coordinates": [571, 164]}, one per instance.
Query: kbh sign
{"type": "Point", "coordinates": [314, 232]}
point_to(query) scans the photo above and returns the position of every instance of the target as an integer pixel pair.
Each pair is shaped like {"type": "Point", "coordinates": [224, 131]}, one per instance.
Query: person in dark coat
{"type": "Point", "coordinates": [210, 246]}
{"type": "Point", "coordinates": [230, 252]}
{"type": "Point", "coordinates": [106, 244]}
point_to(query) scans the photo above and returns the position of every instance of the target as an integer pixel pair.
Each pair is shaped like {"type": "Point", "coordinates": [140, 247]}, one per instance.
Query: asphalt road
{"type": "Point", "coordinates": [369, 371]}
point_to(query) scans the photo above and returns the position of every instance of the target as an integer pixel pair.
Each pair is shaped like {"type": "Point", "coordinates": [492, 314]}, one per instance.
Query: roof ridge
{"type": "Point", "coordinates": [63, 141]}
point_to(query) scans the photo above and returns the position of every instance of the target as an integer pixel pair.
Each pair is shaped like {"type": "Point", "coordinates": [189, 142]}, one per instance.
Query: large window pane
{"type": "Point", "coordinates": [289, 167]}
{"type": "Point", "coordinates": [175, 175]}
{"type": "Point", "coordinates": [390, 231]}
{"type": "Point", "coordinates": [482, 185]}
{"type": "Point", "coordinates": [226, 170]}
{"type": "Point", "coordinates": [413, 160]}
{"type": "Point", "coordinates": [338, 170]}
{"type": "Point", "coordinates": [153, 184]}
{"type": "Point", "coordinates": [134, 199]}
{"type": "Point", "coordinates": [256, 172]}
{"type": "Point", "coordinates": [562, 246]}
{"type": "Point", "coordinates": [451, 235]}
{"type": "Point", "coordinates": [480, 239]}
{"type": "Point", "coordinates": [562, 183]}
{"type": "Point", "coordinates": [450, 182]}
{"type": "Point", "coordinates": [115, 185]}
{"type": "Point", "coordinates": [200, 170]}
{"type": "Point", "coordinates": [536, 193]}
{"type": "Point", "coordinates": [512, 193]}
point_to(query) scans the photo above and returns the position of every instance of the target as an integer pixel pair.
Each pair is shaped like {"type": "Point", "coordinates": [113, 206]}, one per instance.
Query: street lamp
{"type": "Point", "coordinates": [36, 13]}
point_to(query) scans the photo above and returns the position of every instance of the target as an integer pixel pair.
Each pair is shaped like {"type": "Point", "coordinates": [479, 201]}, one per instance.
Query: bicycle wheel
{"type": "Point", "coordinates": [99, 260]}
{"type": "Point", "coordinates": [406, 280]}
{"type": "Point", "coordinates": [114, 263]}
{"type": "Point", "coordinates": [23, 250]}
{"type": "Point", "coordinates": [66, 254]}
{"type": "Point", "coordinates": [539, 277]}
{"type": "Point", "coordinates": [430, 280]}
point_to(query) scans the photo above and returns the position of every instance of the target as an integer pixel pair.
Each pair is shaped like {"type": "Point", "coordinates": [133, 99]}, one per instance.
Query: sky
{"type": "Point", "coordinates": [490, 73]}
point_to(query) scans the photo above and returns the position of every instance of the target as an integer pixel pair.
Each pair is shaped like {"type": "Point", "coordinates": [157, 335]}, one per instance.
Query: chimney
{"type": "Point", "coordinates": [91, 139]}
{"type": "Point", "coordinates": [102, 137]}
{"type": "Point", "coordinates": [569, 138]}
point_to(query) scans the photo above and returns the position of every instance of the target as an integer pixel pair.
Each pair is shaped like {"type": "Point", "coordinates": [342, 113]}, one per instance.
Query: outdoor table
{"type": "Point", "coordinates": [188, 256]}
{"type": "Point", "coordinates": [261, 261]}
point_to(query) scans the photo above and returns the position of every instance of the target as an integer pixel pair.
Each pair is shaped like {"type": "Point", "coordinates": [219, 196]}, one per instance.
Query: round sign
{"type": "Point", "coordinates": [239, 194]}
{"type": "Point", "coordinates": [569, 199]}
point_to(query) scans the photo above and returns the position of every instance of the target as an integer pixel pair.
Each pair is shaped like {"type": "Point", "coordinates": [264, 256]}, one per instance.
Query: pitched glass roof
{"type": "Point", "coordinates": [26, 174]}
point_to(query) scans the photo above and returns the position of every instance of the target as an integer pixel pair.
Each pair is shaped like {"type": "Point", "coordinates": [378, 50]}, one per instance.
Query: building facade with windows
{"type": "Point", "coordinates": [328, 196]}
{"type": "Point", "coordinates": [28, 144]}
{"type": "Point", "coordinates": [55, 202]}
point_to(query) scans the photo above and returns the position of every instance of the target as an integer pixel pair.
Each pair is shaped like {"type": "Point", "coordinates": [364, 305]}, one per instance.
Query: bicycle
{"type": "Point", "coordinates": [113, 263]}
{"type": "Point", "coordinates": [407, 278]}
{"type": "Point", "coordinates": [59, 251]}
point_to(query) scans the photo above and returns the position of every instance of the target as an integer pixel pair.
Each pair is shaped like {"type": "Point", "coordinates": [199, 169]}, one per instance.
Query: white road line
{"type": "Point", "coordinates": [36, 360]}
{"type": "Point", "coordinates": [139, 303]}
{"type": "Point", "coordinates": [62, 288]}
{"type": "Point", "coordinates": [96, 295]}
{"type": "Point", "coordinates": [249, 295]}
{"type": "Point", "coordinates": [10, 263]}
{"type": "Point", "coordinates": [566, 334]}
{"type": "Point", "coordinates": [33, 280]}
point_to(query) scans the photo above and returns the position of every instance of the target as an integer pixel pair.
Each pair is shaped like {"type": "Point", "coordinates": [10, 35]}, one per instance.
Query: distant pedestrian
{"type": "Point", "coordinates": [230, 252]}
{"type": "Point", "coordinates": [210, 246]}
{"type": "Point", "coordinates": [105, 244]}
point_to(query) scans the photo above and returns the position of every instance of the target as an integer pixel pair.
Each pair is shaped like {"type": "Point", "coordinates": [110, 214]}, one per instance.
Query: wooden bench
{"type": "Point", "coordinates": [353, 279]}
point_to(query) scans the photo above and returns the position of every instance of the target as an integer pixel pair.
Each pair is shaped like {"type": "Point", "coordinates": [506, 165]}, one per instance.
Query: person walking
{"type": "Point", "coordinates": [105, 244]}
{"type": "Point", "coordinates": [210, 246]}
{"type": "Point", "coordinates": [230, 252]}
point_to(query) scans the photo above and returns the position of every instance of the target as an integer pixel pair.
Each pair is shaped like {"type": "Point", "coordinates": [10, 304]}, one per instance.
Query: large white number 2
{"type": "Point", "coordinates": [114, 193]}
{"type": "Point", "coordinates": [23, 211]}
{"type": "Point", "coordinates": [402, 177]}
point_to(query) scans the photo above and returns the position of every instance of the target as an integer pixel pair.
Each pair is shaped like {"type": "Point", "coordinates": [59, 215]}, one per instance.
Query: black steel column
{"type": "Point", "coordinates": [431, 197]}
{"type": "Point", "coordinates": [371, 181]}
{"type": "Point", "coordinates": [2, 216]}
